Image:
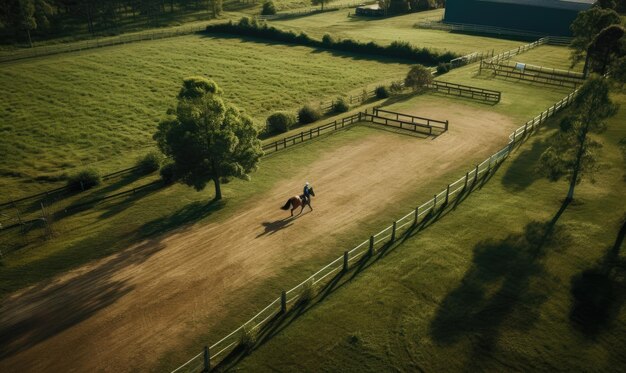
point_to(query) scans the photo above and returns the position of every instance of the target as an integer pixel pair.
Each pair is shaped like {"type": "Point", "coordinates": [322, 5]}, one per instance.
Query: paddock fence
{"type": "Point", "coordinates": [481, 29]}
{"type": "Point", "coordinates": [212, 355]}
{"type": "Point", "coordinates": [427, 126]}
{"type": "Point", "coordinates": [64, 189]}
{"type": "Point", "coordinates": [466, 91]}
{"type": "Point", "coordinates": [47, 50]}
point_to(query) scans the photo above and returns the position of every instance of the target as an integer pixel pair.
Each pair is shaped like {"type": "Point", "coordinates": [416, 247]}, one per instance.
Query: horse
{"type": "Point", "coordinates": [298, 201]}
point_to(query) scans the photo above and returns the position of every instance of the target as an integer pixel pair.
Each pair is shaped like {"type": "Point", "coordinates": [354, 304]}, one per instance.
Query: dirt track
{"type": "Point", "coordinates": [122, 312]}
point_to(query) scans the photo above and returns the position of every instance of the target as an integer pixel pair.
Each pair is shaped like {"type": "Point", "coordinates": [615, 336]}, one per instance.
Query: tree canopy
{"type": "Point", "coordinates": [585, 28]}
{"type": "Point", "coordinates": [208, 139]}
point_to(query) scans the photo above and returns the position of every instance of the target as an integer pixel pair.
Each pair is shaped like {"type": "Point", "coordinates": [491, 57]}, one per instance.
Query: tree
{"type": "Point", "coordinates": [207, 139]}
{"type": "Point", "coordinates": [418, 78]}
{"type": "Point", "coordinates": [268, 8]}
{"type": "Point", "coordinates": [618, 70]}
{"type": "Point", "coordinates": [320, 2]}
{"type": "Point", "coordinates": [398, 6]}
{"type": "Point", "coordinates": [585, 27]}
{"type": "Point", "coordinates": [572, 153]}
{"type": "Point", "coordinates": [27, 18]}
{"type": "Point", "coordinates": [605, 47]}
{"type": "Point", "coordinates": [216, 6]}
{"type": "Point", "coordinates": [606, 4]}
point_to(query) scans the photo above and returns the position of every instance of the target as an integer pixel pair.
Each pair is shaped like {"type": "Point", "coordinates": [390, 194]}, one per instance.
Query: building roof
{"type": "Point", "coordinates": [557, 4]}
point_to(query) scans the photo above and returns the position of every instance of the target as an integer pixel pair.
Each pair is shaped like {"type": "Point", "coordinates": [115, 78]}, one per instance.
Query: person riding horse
{"type": "Point", "coordinates": [300, 201]}
{"type": "Point", "coordinates": [306, 194]}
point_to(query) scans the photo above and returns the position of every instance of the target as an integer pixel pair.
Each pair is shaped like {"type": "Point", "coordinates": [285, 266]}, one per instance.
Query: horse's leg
{"type": "Point", "coordinates": [311, 207]}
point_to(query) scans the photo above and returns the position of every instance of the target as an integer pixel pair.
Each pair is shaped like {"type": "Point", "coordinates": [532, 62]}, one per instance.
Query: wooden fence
{"type": "Point", "coordinates": [423, 125]}
{"type": "Point", "coordinates": [474, 93]}
{"type": "Point", "coordinates": [210, 356]}
{"type": "Point", "coordinates": [64, 189]}
{"type": "Point", "coordinates": [312, 133]}
{"type": "Point", "coordinates": [100, 42]}
{"type": "Point", "coordinates": [480, 29]}
{"type": "Point", "coordinates": [536, 77]}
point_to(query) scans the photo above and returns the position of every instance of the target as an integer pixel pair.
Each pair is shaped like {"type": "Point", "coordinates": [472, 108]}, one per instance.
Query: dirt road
{"type": "Point", "coordinates": [122, 312]}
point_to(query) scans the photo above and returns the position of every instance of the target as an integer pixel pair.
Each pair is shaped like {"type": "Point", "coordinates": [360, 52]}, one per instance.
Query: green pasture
{"type": "Point", "coordinates": [551, 56]}
{"type": "Point", "coordinates": [66, 111]}
{"type": "Point", "coordinates": [483, 289]}
{"type": "Point", "coordinates": [400, 28]}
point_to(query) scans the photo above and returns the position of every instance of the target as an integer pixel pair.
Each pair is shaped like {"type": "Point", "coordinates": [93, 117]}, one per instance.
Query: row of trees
{"type": "Point", "coordinates": [599, 41]}
{"type": "Point", "coordinates": [21, 18]}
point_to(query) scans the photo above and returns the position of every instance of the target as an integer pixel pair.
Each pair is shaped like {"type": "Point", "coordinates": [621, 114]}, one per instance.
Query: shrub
{"type": "Point", "coordinates": [268, 8]}
{"type": "Point", "coordinates": [149, 163]}
{"type": "Point", "coordinates": [327, 40]}
{"type": "Point", "coordinates": [381, 92]}
{"type": "Point", "coordinates": [84, 179]}
{"type": "Point", "coordinates": [396, 87]}
{"type": "Point", "coordinates": [340, 105]}
{"type": "Point", "coordinates": [309, 114]}
{"type": "Point", "coordinates": [418, 78]}
{"type": "Point", "coordinates": [281, 121]}
{"type": "Point", "coordinates": [168, 173]}
{"type": "Point", "coordinates": [443, 68]}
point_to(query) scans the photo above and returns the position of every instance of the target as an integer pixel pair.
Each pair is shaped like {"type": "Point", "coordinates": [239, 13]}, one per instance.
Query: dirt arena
{"type": "Point", "coordinates": [123, 312]}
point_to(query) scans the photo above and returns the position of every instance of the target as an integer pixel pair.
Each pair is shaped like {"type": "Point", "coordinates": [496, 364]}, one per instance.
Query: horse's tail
{"type": "Point", "coordinates": [286, 207]}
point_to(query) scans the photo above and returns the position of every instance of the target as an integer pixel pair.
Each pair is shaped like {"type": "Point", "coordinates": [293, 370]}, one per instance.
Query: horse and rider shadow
{"type": "Point", "coordinates": [293, 203]}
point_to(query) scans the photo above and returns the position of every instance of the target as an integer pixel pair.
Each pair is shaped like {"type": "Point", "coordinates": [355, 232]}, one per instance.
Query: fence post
{"type": "Point", "coordinates": [285, 142]}
{"type": "Point", "coordinates": [345, 261]}
{"type": "Point", "coordinates": [434, 204]}
{"type": "Point", "coordinates": [207, 359]}
{"type": "Point", "coordinates": [371, 251]}
{"type": "Point", "coordinates": [393, 232]}
{"type": "Point", "coordinates": [475, 175]}
{"type": "Point", "coordinates": [489, 165]}
{"type": "Point", "coordinates": [446, 125]}
{"type": "Point", "coordinates": [417, 214]}
{"type": "Point", "coordinates": [466, 177]}
{"type": "Point", "coordinates": [283, 302]}
{"type": "Point", "coordinates": [447, 194]}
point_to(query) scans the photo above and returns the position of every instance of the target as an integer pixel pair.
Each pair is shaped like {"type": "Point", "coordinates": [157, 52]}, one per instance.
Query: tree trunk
{"type": "Point", "coordinates": [218, 188]}
{"type": "Point", "coordinates": [30, 41]}
{"type": "Point", "coordinates": [586, 67]}
{"type": "Point", "coordinates": [579, 157]}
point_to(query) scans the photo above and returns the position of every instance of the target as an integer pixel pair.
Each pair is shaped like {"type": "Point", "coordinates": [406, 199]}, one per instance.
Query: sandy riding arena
{"type": "Point", "coordinates": [123, 312]}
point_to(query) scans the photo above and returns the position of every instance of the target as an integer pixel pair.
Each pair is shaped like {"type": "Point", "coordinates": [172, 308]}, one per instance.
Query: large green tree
{"type": "Point", "coordinates": [605, 48]}
{"type": "Point", "coordinates": [207, 138]}
{"type": "Point", "coordinates": [572, 152]}
{"type": "Point", "coordinates": [585, 28]}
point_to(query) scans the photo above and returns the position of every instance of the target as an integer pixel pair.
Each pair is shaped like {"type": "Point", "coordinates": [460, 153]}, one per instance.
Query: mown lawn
{"type": "Point", "coordinates": [549, 56]}
{"type": "Point", "coordinates": [485, 288]}
{"type": "Point", "coordinates": [400, 28]}
{"type": "Point", "coordinates": [68, 111]}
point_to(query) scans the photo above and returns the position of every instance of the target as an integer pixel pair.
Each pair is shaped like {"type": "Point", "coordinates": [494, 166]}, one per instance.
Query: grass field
{"type": "Point", "coordinates": [483, 289]}
{"type": "Point", "coordinates": [100, 228]}
{"type": "Point", "coordinates": [549, 56]}
{"type": "Point", "coordinates": [69, 110]}
{"type": "Point", "coordinates": [400, 28]}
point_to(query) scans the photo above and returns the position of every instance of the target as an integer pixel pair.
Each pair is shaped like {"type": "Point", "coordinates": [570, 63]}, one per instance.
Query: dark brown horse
{"type": "Point", "coordinates": [297, 201]}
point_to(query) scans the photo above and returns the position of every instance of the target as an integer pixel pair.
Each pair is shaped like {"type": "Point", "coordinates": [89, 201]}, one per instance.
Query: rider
{"type": "Point", "coordinates": [307, 192]}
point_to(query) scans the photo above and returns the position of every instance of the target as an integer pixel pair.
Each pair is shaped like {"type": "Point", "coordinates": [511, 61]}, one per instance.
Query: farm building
{"type": "Point", "coordinates": [541, 17]}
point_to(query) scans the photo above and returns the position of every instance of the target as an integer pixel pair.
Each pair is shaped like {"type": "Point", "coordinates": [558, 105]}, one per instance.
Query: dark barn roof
{"type": "Point", "coordinates": [542, 17]}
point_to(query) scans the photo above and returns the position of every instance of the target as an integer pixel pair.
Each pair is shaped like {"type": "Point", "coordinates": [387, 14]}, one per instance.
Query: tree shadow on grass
{"type": "Point", "coordinates": [497, 288]}
{"type": "Point", "coordinates": [49, 308]}
{"type": "Point", "coordinates": [598, 293]}
{"type": "Point", "coordinates": [186, 215]}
